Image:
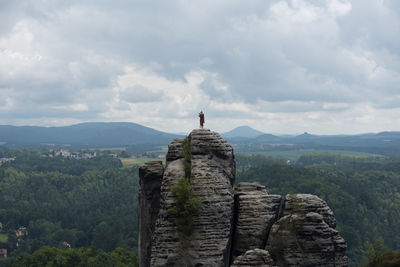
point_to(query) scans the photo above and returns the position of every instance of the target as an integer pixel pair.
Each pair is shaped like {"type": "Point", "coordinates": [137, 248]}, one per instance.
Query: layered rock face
{"type": "Point", "coordinates": [305, 234]}
{"type": "Point", "coordinates": [150, 176]}
{"type": "Point", "coordinates": [244, 226]}
{"type": "Point", "coordinates": [255, 257]}
{"type": "Point", "coordinates": [256, 211]}
{"type": "Point", "coordinates": [212, 176]}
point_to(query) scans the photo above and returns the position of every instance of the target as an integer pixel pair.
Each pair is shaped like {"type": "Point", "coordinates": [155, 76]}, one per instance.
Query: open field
{"type": "Point", "coordinates": [109, 149]}
{"type": "Point", "coordinates": [295, 154]}
{"type": "Point", "coordinates": [139, 161]}
{"type": "Point", "coordinates": [3, 238]}
{"type": "Point", "coordinates": [163, 149]}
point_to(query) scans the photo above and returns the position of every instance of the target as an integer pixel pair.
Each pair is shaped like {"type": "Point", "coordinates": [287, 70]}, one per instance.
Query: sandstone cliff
{"type": "Point", "coordinates": [237, 226]}
{"type": "Point", "coordinates": [150, 175]}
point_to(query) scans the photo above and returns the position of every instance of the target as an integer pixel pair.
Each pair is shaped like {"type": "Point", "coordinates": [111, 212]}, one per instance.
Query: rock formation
{"type": "Point", "coordinates": [241, 226]}
{"type": "Point", "coordinates": [150, 176]}
{"type": "Point", "coordinates": [255, 257]}
{"type": "Point", "coordinates": [256, 211]}
{"type": "Point", "coordinates": [305, 234]}
{"type": "Point", "coordinates": [212, 178]}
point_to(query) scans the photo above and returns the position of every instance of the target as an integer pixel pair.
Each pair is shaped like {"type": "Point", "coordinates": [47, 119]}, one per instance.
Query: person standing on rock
{"type": "Point", "coordinates": [201, 116]}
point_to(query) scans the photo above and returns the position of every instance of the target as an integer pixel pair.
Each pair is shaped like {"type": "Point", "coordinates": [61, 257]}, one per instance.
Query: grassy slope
{"type": "Point", "coordinates": [138, 162]}
{"type": "Point", "coordinates": [3, 238]}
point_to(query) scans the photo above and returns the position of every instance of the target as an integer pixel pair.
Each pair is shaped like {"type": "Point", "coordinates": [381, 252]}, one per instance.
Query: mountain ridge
{"type": "Point", "coordinates": [84, 134]}
{"type": "Point", "coordinates": [244, 138]}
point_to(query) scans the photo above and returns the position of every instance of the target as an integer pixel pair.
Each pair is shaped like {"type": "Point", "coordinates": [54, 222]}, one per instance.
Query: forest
{"type": "Point", "coordinates": [67, 203]}
{"type": "Point", "coordinates": [363, 192]}
{"type": "Point", "coordinates": [90, 205]}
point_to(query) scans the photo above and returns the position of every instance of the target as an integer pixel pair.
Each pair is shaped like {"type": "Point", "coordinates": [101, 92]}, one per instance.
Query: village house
{"type": "Point", "coordinates": [89, 155]}
{"type": "Point", "coordinates": [65, 153]}
{"type": "Point", "coordinates": [135, 156]}
{"type": "Point", "coordinates": [65, 244]}
{"type": "Point", "coordinates": [21, 231]}
{"type": "Point", "coordinates": [68, 154]}
{"type": "Point", "coordinates": [3, 253]}
{"type": "Point", "coordinates": [4, 160]}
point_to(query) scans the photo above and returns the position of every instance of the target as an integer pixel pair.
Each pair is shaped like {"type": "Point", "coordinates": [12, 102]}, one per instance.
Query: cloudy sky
{"type": "Point", "coordinates": [280, 66]}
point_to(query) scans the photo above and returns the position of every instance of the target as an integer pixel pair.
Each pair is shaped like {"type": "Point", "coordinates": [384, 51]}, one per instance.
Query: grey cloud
{"type": "Point", "coordinates": [140, 94]}
{"type": "Point", "coordinates": [3, 101]}
{"type": "Point", "coordinates": [221, 114]}
{"type": "Point", "coordinates": [388, 103]}
{"type": "Point", "coordinates": [9, 14]}
{"type": "Point", "coordinates": [296, 67]}
{"type": "Point", "coordinates": [373, 24]}
{"type": "Point", "coordinates": [215, 90]}
{"type": "Point", "coordinates": [288, 106]}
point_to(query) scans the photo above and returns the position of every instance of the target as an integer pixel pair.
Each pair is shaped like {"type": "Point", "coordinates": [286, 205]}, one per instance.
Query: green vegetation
{"type": "Point", "coordinates": [244, 161]}
{"type": "Point", "coordinates": [93, 202]}
{"type": "Point", "coordinates": [188, 205]}
{"type": "Point", "coordinates": [48, 256]}
{"type": "Point", "coordinates": [32, 162]}
{"type": "Point", "coordinates": [129, 162]}
{"type": "Point", "coordinates": [362, 192]}
{"type": "Point", "coordinates": [3, 238]}
{"type": "Point", "coordinates": [349, 163]}
{"type": "Point", "coordinates": [379, 255]}
{"type": "Point", "coordinates": [85, 203]}
{"type": "Point", "coordinates": [297, 153]}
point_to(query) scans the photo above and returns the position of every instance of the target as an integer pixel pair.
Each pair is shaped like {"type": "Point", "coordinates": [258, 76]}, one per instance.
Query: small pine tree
{"type": "Point", "coordinates": [187, 206]}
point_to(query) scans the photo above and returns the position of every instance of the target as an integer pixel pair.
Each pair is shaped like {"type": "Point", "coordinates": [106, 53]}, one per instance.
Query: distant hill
{"type": "Point", "coordinates": [242, 131]}
{"type": "Point", "coordinates": [136, 137]}
{"type": "Point", "coordinates": [306, 136]}
{"type": "Point", "coordinates": [99, 134]}
{"type": "Point", "coordinates": [385, 143]}
{"type": "Point", "coordinates": [268, 138]}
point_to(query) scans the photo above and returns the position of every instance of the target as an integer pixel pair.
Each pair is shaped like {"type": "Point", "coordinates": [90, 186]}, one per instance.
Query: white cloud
{"type": "Point", "coordinates": [156, 96]}
{"type": "Point", "coordinates": [279, 66]}
{"type": "Point", "coordinates": [339, 7]}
